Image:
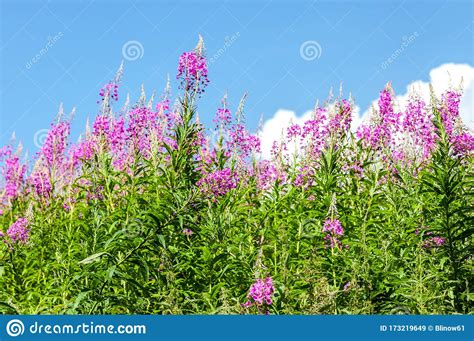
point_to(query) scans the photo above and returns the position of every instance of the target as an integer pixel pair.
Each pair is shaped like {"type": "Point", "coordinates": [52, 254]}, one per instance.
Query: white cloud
{"type": "Point", "coordinates": [441, 78]}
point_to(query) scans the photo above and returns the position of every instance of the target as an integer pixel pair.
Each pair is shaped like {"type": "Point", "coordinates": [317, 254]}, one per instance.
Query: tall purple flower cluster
{"type": "Point", "coordinates": [192, 71]}
{"type": "Point", "coordinates": [223, 117]}
{"type": "Point", "coordinates": [418, 125]}
{"type": "Point", "coordinates": [13, 173]}
{"type": "Point", "coordinates": [41, 183]}
{"type": "Point", "coordinates": [449, 110]}
{"type": "Point", "coordinates": [142, 128]}
{"type": "Point", "coordinates": [218, 183]}
{"type": "Point", "coordinates": [112, 129]}
{"type": "Point", "coordinates": [117, 135]}
{"type": "Point", "coordinates": [462, 140]}
{"type": "Point", "coordinates": [334, 230]}
{"type": "Point", "coordinates": [18, 231]}
{"type": "Point", "coordinates": [304, 178]}
{"type": "Point", "coordinates": [340, 122]}
{"type": "Point", "coordinates": [56, 142]}
{"type": "Point", "coordinates": [463, 143]}
{"type": "Point", "coordinates": [242, 141]}
{"type": "Point", "coordinates": [163, 106]}
{"type": "Point", "coordinates": [260, 293]}
{"type": "Point", "coordinates": [293, 131]}
{"type": "Point", "coordinates": [316, 132]}
{"type": "Point", "coordinates": [380, 133]}
{"type": "Point", "coordinates": [101, 125]}
{"type": "Point", "coordinates": [268, 174]}
{"type": "Point", "coordinates": [83, 151]}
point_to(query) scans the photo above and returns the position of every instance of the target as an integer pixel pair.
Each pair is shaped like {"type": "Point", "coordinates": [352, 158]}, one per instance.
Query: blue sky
{"type": "Point", "coordinates": [260, 44]}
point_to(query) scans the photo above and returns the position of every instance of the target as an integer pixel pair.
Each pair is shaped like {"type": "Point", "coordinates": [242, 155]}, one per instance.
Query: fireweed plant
{"type": "Point", "coordinates": [149, 214]}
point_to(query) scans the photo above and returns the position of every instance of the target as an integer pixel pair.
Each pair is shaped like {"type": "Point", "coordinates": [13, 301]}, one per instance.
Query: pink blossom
{"type": "Point", "coordinates": [83, 151]}
{"type": "Point", "coordinates": [268, 174]}
{"type": "Point", "coordinates": [381, 130]}
{"type": "Point", "coordinates": [433, 242]}
{"type": "Point", "coordinates": [463, 143]}
{"type": "Point", "coordinates": [40, 181]}
{"type": "Point", "coordinates": [192, 71]}
{"type": "Point", "coordinates": [56, 142]}
{"type": "Point", "coordinates": [333, 227]}
{"type": "Point", "coordinates": [260, 293]}
{"type": "Point", "coordinates": [14, 174]}
{"type": "Point", "coordinates": [110, 89]}
{"type": "Point", "coordinates": [218, 183]}
{"type": "Point", "coordinates": [304, 178]}
{"type": "Point", "coordinates": [18, 231]}
{"type": "Point", "coordinates": [418, 124]}
{"type": "Point", "coordinates": [340, 122]}
{"type": "Point", "coordinates": [242, 141]}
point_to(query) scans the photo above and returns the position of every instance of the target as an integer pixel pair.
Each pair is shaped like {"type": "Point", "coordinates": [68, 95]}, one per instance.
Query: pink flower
{"type": "Point", "coordinates": [163, 106]}
{"type": "Point", "coordinates": [260, 293]}
{"type": "Point", "coordinates": [333, 227]}
{"type": "Point", "coordinates": [41, 183]}
{"type": "Point", "coordinates": [304, 178]}
{"type": "Point", "coordinates": [110, 89]}
{"type": "Point", "coordinates": [449, 110]}
{"type": "Point", "coordinates": [112, 129]}
{"type": "Point", "coordinates": [218, 183]}
{"type": "Point", "coordinates": [380, 133]}
{"type": "Point", "coordinates": [18, 231]}
{"type": "Point", "coordinates": [433, 242]}
{"type": "Point", "coordinates": [223, 117]}
{"type": "Point", "coordinates": [340, 122]}
{"type": "Point", "coordinates": [14, 174]}
{"type": "Point", "coordinates": [418, 124]}
{"type": "Point", "coordinates": [268, 174]}
{"type": "Point", "coordinates": [315, 132]}
{"type": "Point", "coordinates": [192, 70]}
{"type": "Point", "coordinates": [83, 151]}
{"type": "Point", "coordinates": [143, 129]}
{"type": "Point", "coordinates": [463, 143]}
{"type": "Point", "coordinates": [55, 145]}
{"type": "Point", "coordinates": [187, 232]}
{"type": "Point", "coordinates": [293, 131]}
{"type": "Point", "coordinates": [242, 141]}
